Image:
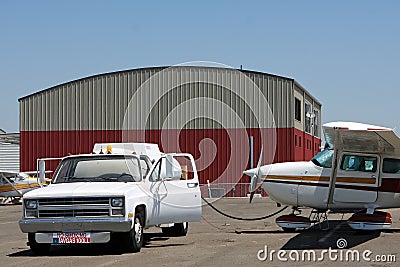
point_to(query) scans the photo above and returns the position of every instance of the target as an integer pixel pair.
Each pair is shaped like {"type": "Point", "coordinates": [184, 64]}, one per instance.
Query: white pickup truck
{"type": "Point", "coordinates": [112, 195]}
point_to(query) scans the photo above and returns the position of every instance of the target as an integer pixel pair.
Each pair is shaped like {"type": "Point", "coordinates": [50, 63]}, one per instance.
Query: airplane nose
{"type": "Point", "coordinates": [250, 172]}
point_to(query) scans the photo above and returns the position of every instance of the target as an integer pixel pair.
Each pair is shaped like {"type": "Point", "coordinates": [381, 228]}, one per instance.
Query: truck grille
{"type": "Point", "coordinates": [74, 207]}
{"type": "Point", "coordinates": [72, 213]}
{"type": "Point", "coordinates": [74, 201]}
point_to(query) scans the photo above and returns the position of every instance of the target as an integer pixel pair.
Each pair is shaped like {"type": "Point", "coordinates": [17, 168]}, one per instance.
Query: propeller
{"type": "Point", "coordinates": [255, 177]}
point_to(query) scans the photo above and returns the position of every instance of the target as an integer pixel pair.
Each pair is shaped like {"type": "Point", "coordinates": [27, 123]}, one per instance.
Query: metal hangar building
{"type": "Point", "coordinates": [222, 116]}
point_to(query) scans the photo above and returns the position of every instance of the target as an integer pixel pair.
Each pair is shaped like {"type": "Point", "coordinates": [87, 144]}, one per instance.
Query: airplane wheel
{"type": "Point", "coordinates": [289, 230]}
{"type": "Point", "coordinates": [179, 229]}
{"type": "Point", "coordinates": [134, 240]}
{"type": "Point", "coordinates": [37, 248]}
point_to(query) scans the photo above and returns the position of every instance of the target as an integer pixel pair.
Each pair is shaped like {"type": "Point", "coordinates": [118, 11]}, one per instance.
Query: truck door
{"type": "Point", "coordinates": [357, 178]}
{"type": "Point", "coordinates": [175, 190]}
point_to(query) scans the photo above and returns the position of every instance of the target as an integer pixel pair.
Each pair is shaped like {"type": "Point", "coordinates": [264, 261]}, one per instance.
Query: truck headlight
{"type": "Point", "coordinates": [31, 210]}
{"type": "Point", "coordinates": [117, 202]}
{"type": "Point", "coordinates": [31, 204]}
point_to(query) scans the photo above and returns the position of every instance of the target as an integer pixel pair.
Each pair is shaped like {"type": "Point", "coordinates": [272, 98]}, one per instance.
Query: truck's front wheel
{"type": "Point", "coordinates": [37, 248]}
{"type": "Point", "coordinates": [135, 235]}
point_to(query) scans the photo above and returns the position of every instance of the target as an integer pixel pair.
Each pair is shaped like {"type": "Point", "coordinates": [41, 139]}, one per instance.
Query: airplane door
{"type": "Point", "coordinates": [357, 178]}
{"type": "Point", "coordinates": [175, 189]}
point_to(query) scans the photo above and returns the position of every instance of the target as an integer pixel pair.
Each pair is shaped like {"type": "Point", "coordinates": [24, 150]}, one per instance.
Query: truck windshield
{"type": "Point", "coordinates": [105, 168]}
{"type": "Point", "coordinates": [324, 158]}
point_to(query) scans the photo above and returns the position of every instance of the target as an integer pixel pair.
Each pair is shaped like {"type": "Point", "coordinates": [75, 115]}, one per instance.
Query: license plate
{"type": "Point", "coordinates": [71, 238]}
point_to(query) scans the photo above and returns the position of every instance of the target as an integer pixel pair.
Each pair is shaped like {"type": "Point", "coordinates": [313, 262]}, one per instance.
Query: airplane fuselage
{"type": "Point", "coordinates": [361, 180]}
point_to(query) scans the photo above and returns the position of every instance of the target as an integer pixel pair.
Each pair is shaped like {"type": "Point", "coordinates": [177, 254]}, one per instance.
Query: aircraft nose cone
{"type": "Point", "coordinates": [250, 172]}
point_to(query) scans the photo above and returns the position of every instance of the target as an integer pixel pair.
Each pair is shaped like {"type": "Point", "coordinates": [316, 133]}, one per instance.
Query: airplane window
{"type": "Point", "coordinates": [359, 163]}
{"type": "Point", "coordinates": [391, 165]}
{"type": "Point", "coordinates": [324, 158]}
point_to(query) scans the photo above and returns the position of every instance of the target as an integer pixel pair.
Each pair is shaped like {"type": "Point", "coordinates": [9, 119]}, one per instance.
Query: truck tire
{"type": "Point", "coordinates": [37, 248]}
{"type": "Point", "coordinates": [135, 235]}
{"type": "Point", "coordinates": [179, 229]}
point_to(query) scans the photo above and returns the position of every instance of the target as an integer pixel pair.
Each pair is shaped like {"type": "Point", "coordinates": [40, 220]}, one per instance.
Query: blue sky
{"type": "Point", "coordinates": [346, 53]}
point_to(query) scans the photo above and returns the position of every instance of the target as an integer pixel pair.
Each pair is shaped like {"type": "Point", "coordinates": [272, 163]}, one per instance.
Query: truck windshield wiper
{"type": "Point", "coordinates": [124, 177]}
{"type": "Point", "coordinates": [72, 179]}
{"type": "Point", "coordinates": [111, 179]}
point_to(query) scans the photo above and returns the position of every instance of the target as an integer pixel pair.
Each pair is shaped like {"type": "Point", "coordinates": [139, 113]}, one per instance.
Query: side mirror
{"type": "Point", "coordinates": [169, 166]}
{"type": "Point", "coordinates": [42, 170]}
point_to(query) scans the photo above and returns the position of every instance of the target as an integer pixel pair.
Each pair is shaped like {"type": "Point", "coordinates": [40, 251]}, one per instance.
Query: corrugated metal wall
{"type": "Point", "coordinates": [157, 102]}
{"type": "Point", "coordinates": [9, 157]}
{"type": "Point", "coordinates": [100, 102]}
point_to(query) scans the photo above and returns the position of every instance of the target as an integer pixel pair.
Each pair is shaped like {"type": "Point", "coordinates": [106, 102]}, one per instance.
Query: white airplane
{"type": "Point", "coordinates": [358, 171]}
{"type": "Point", "coordinates": [14, 184]}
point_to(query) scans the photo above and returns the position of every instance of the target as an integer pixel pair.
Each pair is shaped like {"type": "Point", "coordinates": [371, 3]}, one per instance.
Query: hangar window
{"type": "Point", "coordinates": [391, 165]}
{"type": "Point", "coordinates": [308, 118]}
{"type": "Point", "coordinates": [297, 109]}
{"type": "Point", "coordinates": [316, 123]}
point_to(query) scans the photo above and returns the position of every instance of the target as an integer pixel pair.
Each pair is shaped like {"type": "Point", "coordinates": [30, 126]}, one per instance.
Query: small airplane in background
{"type": "Point", "coordinates": [358, 172]}
{"type": "Point", "coordinates": [14, 184]}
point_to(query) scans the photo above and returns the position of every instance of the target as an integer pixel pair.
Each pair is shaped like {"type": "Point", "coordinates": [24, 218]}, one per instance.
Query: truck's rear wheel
{"type": "Point", "coordinates": [179, 229]}
{"type": "Point", "coordinates": [135, 235]}
{"type": "Point", "coordinates": [37, 248]}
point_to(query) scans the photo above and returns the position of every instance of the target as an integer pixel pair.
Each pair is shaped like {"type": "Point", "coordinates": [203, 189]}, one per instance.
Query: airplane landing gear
{"type": "Point", "coordinates": [291, 222]}
{"type": "Point", "coordinates": [319, 217]}
{"type": "Point", "coordinates": [378, 220]}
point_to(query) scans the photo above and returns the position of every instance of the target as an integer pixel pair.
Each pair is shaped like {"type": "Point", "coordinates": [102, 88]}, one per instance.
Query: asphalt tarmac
{"type": "Point", "coordinates": [219, 241]}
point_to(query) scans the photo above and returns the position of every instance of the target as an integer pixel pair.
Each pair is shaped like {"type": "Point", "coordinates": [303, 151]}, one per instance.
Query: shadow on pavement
{"type": "Point", "coordinates": [327, 234]}
{"type": "Point", "coordinates": [323, 236]}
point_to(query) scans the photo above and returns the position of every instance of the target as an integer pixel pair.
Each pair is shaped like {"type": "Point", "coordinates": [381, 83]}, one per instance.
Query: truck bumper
{"type": "Point", "coordinates": [96, 237]}
{"type": "Point", "coordinates": [72, 225]}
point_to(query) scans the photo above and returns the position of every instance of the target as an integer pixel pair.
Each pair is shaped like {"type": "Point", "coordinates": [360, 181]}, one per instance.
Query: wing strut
{"type": "Point", "coordinates": [335, 159]}
{"type": "Point", "coordinates": [11, 184]}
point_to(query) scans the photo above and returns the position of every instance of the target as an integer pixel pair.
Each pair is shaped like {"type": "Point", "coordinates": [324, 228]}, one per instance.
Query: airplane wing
{"type": "Point", "coordinates": [9, 174]}
{"type": "Point", "coordinates": [359, 137]}
{"type": "Point", "coordinates": [35, 172]}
